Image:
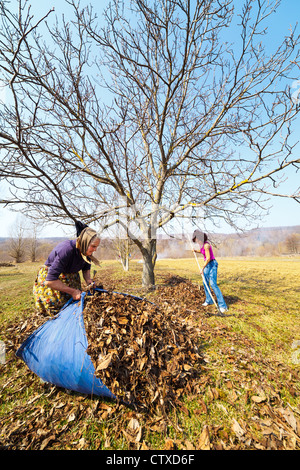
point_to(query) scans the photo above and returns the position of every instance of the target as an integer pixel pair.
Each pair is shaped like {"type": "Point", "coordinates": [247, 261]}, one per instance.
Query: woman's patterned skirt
{"type": "Point", "coordinates": [49, 301]}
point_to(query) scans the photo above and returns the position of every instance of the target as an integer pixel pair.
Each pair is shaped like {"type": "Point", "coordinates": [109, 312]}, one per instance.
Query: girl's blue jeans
{"type": "Point", "coordinates": [210, 274]}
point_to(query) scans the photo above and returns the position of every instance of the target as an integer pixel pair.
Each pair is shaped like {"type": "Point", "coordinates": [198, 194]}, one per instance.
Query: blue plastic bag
{"type": "Point", "coordinates": [56, 352]}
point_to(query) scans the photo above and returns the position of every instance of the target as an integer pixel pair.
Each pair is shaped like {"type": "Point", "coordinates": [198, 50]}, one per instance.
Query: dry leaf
{"type": "Point", "coordinates": [46, 441]}
{"type": "Point", "coordinates": [237, 429]}
{"type": "Point", "coordinates": [81, 443]}
{"type": "Point", "coordinates": [222, 407]}
{"type": "Point", "coordinates": [104, 362]}
{"type": "Point", "coordinates": [144, 446]}
{"type": "Point", "coordinates": [289, 417]}
{"type": "Point", "coordinates": [258, 398]}
{"type": "Point", "coordinates": [169, 445]}
{"type": "Point", "coordinates": [204, 440]}
{"type": "Point", "coordinates": [134, 431]}
{"type": "Point", "coordinates": [188, 445]}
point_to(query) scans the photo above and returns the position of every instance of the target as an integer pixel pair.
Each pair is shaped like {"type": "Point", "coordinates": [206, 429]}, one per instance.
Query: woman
{"type": "Point", "coordinates": [209, 270]}
{"type": "Point", "coordinates": [59, 280]}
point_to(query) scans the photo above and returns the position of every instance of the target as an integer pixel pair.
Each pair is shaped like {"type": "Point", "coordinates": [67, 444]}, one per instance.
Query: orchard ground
{"type": "Point", "coordinates": [250, 388]}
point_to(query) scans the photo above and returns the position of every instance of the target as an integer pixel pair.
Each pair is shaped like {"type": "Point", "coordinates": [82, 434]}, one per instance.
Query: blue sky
{"type": "Point", "coordinates": [284, 212]}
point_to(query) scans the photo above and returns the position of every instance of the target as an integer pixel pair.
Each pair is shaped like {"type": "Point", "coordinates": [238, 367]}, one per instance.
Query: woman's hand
{"type": "Point", "coordinates": [76, 294]}
{"type": "Point", "coordinates": [59, 285]}
{"type": "Point", "coordinates": [91, 287]}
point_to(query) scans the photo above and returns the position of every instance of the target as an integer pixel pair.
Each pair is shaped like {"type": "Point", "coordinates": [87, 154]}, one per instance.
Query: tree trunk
{"type": "Point", "coordinates": [124, 252]}
{"type": "Point", "coordinates": [149, 260]}
{"type": "Point", "coordinates": [125, 261]}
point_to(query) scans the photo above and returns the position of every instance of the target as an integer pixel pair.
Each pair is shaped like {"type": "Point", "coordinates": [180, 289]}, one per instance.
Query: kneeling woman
{"type": "Point", "coordinates": [59, 280]}
{"type": "Point", "coordinates": [209, 270]}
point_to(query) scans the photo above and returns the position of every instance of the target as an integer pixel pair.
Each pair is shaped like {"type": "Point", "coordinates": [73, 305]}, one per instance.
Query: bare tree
{"type": "Point", "coordinates": [123, 249]}
{"type": "Point", "coordinates": [293, 242]}
{"type": "Point", "coordinates": [33, 241]}
{"type": "Point", "coordinates": [155, 108]}
{"type": "Point", "coordinates": [17, 246]}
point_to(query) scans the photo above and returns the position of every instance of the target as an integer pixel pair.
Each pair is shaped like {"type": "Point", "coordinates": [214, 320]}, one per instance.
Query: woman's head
{"type": "Point", "coordinates": [199, 236]}
{"type": "Point", "coordinates": [87, 243]}
{"type": "Point", "coordinates": [93, 245]}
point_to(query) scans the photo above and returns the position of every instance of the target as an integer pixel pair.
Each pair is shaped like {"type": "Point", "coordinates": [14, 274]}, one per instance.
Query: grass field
{"type": "Point", "coordinates": [250, 388]}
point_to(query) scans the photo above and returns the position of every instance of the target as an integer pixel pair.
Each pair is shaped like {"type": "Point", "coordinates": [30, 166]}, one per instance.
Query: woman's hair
{"type": "Point", "coordinates": [201, 236]}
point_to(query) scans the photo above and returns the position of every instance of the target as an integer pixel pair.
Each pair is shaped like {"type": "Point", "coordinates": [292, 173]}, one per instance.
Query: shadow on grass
{"type": "Point", "coordinates": [232, 299]}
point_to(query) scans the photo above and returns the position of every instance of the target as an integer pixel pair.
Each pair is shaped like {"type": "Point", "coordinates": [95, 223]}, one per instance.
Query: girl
{"type": "Point", "coordinates": [209, 270]}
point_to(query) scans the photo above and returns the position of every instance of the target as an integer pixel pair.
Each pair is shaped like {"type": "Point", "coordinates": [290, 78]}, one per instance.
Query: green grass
{"type": "Point", "coordinates": [16, 290]}
{"type": "Point", "coordinates": [249, 383]}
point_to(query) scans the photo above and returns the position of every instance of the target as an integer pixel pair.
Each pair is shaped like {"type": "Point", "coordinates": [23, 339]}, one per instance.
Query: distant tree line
{"type": "Point", "coordinates": [20, 247]}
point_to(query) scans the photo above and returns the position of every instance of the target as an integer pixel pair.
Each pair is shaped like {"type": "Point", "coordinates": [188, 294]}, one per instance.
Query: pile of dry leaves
{"type": "Point", "coordinates": [144, 354]}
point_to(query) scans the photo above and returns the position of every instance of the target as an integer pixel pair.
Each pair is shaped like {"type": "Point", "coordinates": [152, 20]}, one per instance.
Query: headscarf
{"type": "Point", "coordinates": [79, 227]}
{"type": "Point", "coordinates": [82, 243]}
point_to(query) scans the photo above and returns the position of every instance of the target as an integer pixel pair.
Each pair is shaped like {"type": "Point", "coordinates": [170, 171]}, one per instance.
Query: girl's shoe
{"type": "Point", "coordinates": [205, 304]}
{"type": "Point", "coordinates": [223, 310]}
